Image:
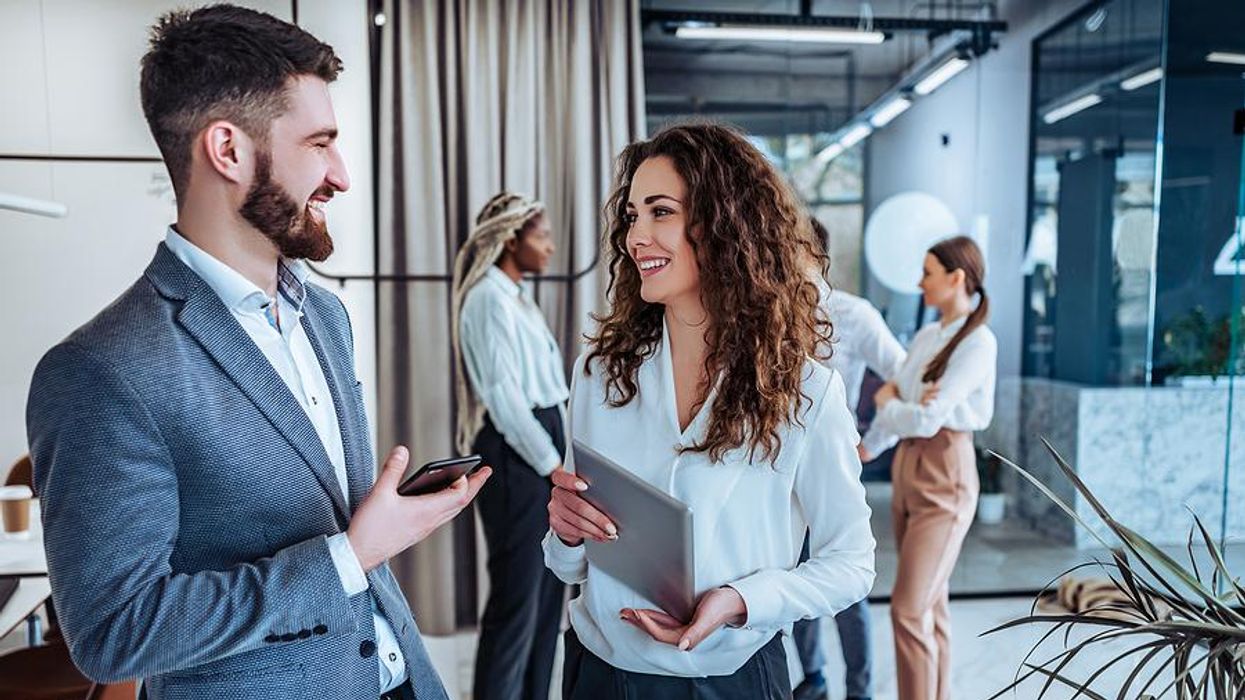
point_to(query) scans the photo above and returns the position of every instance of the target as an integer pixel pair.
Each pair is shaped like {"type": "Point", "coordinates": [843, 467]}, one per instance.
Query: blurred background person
{"type": "Point", "coordinates": [511, 390]}
{"type": "Point", "coordinates": [943, 392]}
{"type": "Point", "coordinates": [862, 340]}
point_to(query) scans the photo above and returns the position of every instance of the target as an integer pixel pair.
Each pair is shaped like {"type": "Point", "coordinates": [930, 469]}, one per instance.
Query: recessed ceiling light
{"type": "Point", "coordinates": [1142, 79]}
{"type": "Point", "coordinates": [1226, 57]}
{"type": "Point", "coordinates": [940, 75]}
{"type": "Point", "coordinates": [855, 135]}
{"type": "Point", "coordinates": [1066, 110]}
{"type": "Point", "coordinates": [826, 35]}
{"type": "Point", "coordinates": [895, 107]}
{"type": "Point", "coordinates": [829, 153]}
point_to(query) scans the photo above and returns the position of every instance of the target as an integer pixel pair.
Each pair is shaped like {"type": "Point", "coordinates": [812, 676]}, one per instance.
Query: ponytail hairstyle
{"type": "Point", "coordinates": [960, 253]}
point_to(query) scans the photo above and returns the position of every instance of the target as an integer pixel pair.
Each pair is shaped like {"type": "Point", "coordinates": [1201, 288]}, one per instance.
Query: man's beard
{"type": "Point", "coordinates": [271, 210]}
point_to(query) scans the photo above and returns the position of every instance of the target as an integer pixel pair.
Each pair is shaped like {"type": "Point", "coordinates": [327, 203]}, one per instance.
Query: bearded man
{"type": "Point", "coordinates": [201, 447]}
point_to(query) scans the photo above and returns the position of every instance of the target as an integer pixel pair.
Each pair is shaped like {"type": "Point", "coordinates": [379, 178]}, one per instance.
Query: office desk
{"type": "Point", "coordinates": [31, 593]}
{"type": "Point", "coordinates": [25, 557]}
{"type": "Point", "coordinates": [26, 560]}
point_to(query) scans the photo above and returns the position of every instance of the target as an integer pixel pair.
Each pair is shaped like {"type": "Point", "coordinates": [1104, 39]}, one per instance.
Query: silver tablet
{"type": "Point", "coordinates": [653, 554]}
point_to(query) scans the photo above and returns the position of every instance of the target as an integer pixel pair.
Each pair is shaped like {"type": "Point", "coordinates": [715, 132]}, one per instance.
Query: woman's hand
{"type": "Point", "coordinates": [863, 453]}
{"type": "Point", "coordinates": [721, 606]}
{"type": "Point", "coordinates": [887, 393]}
{"type": "Point", "coordinates": [571, 517]}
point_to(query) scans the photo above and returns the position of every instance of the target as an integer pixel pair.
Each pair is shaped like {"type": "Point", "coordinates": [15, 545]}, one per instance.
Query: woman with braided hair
{"type": "Point", "coordinates": [511, 388]}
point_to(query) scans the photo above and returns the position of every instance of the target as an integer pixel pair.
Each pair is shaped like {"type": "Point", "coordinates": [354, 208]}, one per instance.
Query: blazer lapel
{"type": "Point", "coordinates": [348, 422]}
{"type": "Point", "coordinates": [205, 317]}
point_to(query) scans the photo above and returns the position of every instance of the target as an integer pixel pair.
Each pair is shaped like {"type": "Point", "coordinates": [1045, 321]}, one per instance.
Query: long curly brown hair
{"type": "Point", "coordinates": [758, 258]}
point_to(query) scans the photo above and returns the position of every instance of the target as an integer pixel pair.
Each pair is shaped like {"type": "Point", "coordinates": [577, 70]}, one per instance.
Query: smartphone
{"type": "Point", "coordinates": [434, 476]}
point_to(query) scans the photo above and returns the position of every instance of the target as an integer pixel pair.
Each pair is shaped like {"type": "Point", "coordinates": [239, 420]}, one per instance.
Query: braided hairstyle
{"type": "Point", "coordinates": [501, 220]}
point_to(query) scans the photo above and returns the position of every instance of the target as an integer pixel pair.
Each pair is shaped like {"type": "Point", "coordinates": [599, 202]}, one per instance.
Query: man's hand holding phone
{"type": "Point", "coordinates": [387, 523]}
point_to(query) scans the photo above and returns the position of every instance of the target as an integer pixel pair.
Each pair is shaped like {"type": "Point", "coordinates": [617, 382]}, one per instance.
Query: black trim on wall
{"type": "Point", "coordinates": [883, 24]}
{"type": "Point", "coordinates": [80, 159]}
{"type": "Point", "coordinates": [374, 48]}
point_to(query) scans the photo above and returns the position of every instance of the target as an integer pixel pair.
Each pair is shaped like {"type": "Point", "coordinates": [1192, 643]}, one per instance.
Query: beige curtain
{"type": "Point", "coordinates": [477, 96]}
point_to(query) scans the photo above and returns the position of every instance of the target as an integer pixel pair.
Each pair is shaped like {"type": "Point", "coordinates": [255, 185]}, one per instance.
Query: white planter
{"type": "Point", "coordinates": [990, 508]}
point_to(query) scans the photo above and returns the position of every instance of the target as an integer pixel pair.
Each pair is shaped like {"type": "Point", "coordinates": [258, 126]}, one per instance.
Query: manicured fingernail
{"type": "Point", "coordinates": [684, 644]}
{"type": "Point", "coordinates": [613, 538]}
{"type": "Point", "coordinates": [580, 486]}
{"type": "Point", "coordinates": [613, 531]}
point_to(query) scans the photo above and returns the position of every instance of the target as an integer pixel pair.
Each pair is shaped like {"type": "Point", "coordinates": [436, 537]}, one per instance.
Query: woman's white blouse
{"type": "Point", "coordinates": [965, 399]}
{"type": "Point", "coordinates": [514, 365]}
{"type": "Point", "coordinates": [749, 519]}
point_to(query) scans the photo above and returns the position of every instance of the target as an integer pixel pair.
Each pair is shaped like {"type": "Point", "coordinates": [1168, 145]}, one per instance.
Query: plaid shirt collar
{"type": "Point", "coordinates": [235, 291]}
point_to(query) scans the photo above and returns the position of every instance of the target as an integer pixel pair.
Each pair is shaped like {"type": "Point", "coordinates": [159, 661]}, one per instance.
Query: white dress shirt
{"type": "Point", "coordinates": [291, 355]}
{"type": "Point", "coordinates": [861, 339]}
{"type": "Point", "coordinates": [749, 519]}
{"type": "Point", "coordinates": [514, 364]}
{"type": "Point", "coordinates": [965, 399]}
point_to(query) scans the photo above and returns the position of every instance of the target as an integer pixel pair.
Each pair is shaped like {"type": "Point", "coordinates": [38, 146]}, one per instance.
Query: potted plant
{"type": "Point", "coordinates": [1197, 349]}
{"type": "Point", "coordinates": [992, 503]}
{"type": "Point", "coordinates": [1164, 619]}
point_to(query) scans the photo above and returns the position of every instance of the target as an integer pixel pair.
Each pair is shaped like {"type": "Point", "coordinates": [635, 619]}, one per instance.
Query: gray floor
{"type": "Point", "coordinates": [1003, 558]}
{"type": "Point", "coordinates": [982, 665]}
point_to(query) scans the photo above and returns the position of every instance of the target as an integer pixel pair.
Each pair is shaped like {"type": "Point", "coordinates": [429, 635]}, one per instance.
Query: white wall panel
{"type": "Point", "coordinates": [23, 90]}
{"type": "Point", "coordinates": [58, 273]}
{"type": "Point", "coordinates": [93, 51]}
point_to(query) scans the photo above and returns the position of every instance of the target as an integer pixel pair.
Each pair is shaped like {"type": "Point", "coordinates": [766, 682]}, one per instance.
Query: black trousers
{"type": "Point", "coordinates": [586, 677]}
{"type": "Point", "coordinates": [519, 628]}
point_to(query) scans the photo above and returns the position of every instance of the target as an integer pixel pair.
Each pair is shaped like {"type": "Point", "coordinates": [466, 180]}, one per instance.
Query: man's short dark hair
{"type": "Point", "coordinates": [222, 62]}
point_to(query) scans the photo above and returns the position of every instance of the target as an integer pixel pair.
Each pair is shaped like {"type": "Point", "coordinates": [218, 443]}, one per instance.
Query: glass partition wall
{"type": "Point", "coordinates": [1132, 307]}
{"type": "Point", "coordinates": [1123, 323]}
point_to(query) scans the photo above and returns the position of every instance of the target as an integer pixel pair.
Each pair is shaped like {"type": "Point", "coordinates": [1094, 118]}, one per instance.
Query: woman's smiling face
{"type": "Point", "coordinates": [657, 236]}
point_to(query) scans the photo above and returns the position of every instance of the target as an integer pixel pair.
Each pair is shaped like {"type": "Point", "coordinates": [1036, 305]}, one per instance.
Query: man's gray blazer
{"type": "Point", "coordinates": [187, 500]}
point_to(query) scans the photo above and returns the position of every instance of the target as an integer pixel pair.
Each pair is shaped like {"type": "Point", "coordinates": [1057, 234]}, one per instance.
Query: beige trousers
{"type": "Point", "coordinates": [935, 495]}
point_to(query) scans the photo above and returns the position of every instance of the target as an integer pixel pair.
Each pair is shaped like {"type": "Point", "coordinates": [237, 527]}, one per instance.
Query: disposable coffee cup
{"type": "Point", "coordinates": [15, 510]}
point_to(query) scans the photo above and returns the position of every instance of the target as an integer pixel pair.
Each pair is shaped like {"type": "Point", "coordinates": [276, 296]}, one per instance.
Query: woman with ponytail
{"type": "Point", "coordinates": [511, 390]}
{"type": "Point", "coordinates": [943, 392]}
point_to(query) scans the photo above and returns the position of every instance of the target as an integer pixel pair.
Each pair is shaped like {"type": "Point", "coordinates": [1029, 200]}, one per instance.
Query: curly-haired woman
{"type": "Point", "coordinates": [701, 380]}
